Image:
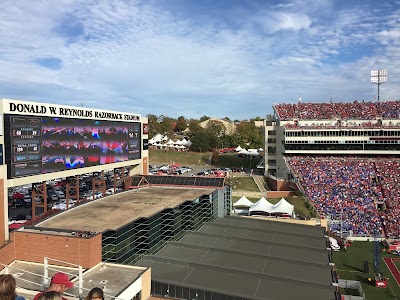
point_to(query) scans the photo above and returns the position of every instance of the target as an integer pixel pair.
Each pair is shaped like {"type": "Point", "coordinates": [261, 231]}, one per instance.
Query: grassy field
{"type": "Point", "coordinates": [245, 183]}
{"type": "Point", "coordinates": [299, 203]}
{"type": "Point", "coordinates": [229, 160]}
{"type": "Point", "coordinates": [157, 156]}
{"type": "Point", "coordinates": [350, 265]}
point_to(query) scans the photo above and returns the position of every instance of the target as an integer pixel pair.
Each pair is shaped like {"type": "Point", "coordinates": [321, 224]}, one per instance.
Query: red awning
{"type": "Point", "coordinates": [15, 225]}
{"type": "Point", "coordinates": [18, 196]}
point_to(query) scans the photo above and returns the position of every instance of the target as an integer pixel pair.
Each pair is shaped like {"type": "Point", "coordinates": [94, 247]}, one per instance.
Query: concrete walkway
{"type": "Point", "coordinates": [260, 181]}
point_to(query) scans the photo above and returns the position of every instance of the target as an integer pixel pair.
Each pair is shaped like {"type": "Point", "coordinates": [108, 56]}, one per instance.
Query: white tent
{"type": "Point", "coordinates": [243, 151]}
{"type": "Point", "coordinates": [282, 207]}
{"type": "Point", "coordinates": [170, 142]}
{"type": "Point", "coordinates": [253, 152]}
{"type": "Point", "coordinates": [243, 202]}
{"type": "Point", "coordinates": [261, 205]}
{"type": "Point", "coordinates": [188, 143]}
{"type": "Point", "coordinates": [158, 138]}
{"type": "Point", "coordinates": [238, 148]}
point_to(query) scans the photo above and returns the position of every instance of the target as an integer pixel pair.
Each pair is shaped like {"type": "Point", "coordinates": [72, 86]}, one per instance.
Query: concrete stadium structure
{"type": "Point", "coordinates": [40, 142]}
{"type": "Point", "coordinates": [169, 226]}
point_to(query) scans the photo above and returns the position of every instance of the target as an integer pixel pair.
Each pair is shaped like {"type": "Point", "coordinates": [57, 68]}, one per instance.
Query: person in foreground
{"type": "Point", "coordinates": [95, 294]}
{"type": "Point", "coordinates": [7, 288]}
{"type": "Point", "coordinates": [59, 283]}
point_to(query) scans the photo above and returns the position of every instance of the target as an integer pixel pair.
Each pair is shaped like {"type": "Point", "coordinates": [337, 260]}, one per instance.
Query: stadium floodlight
{"type": "Point", "coordinates": [378, 77]}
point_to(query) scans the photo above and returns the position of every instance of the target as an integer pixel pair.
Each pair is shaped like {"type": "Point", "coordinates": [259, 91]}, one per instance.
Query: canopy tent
{"type": "Point", "coordinates": [188, 143]}
{"type": "Point", "coordinates": [282, 207]}
{"type": "Point", "coordinates": [238, 148]}
{"type": "Point", "coordinates": [158, 138]}
{"type": "Point", "coordinates": [247, 152]}
{"type": "Point", "coordinates": [243, 202]}
{"type": "Point", "coordinates": [253, 152]}
{"type": "Point", "coordinates": [261, 205]}
{"type": "Point", "coordinates": [178, 142]}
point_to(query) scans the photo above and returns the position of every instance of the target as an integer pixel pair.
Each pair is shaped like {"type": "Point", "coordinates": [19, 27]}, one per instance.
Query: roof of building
{"type": "Point", "coordinates": [115, 211]}
{"type": "Point", "coordinates": [248, 258]}
{"type": "Point", "coordinates": [112, 278]}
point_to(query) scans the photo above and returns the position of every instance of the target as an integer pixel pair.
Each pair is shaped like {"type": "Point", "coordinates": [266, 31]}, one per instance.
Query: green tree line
{"type": "Point", "coordinates": [213, 136]}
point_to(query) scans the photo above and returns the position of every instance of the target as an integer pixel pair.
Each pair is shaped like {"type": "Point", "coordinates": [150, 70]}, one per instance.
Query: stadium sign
{"type": "Point", "coordinates": [31, 108]}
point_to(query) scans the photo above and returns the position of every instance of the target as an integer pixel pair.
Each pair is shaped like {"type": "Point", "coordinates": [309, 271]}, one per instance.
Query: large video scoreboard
{"type": "Point", "coordinates": [44, 144]}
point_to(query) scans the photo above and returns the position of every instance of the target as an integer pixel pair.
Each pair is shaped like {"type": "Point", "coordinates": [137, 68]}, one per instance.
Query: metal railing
{"type": "Point", "coordinates": [46, 278]}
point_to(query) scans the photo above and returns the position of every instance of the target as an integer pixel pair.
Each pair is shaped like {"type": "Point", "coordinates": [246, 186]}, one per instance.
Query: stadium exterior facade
{"type": "Point", "coordinates": [329, 136]}
{"type": "Point", "coordinates": [27, 128]}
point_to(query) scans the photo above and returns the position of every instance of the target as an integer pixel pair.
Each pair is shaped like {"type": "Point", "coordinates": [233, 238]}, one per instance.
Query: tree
{"type": "Point", "coordinates": [194, 127]}
{"type": "Point", "coordinates": [166, 125]}
{"type": "Point", "coordinates": [204, 118]}
{"type": "Point", "coordinates": [250, 134]}
{"type": "Point", "coordinates": [181, 124]}
{"type": "Point", "coordinates": [153, 125]}
{"type": "Point", "coordinates": [202, 142]}
{"type": "Point", "coordinates": [257, 119]}
{"type": "Point", "coordinates": [215, 128]}
{"type": "Point", "coordinates": [214, 157]}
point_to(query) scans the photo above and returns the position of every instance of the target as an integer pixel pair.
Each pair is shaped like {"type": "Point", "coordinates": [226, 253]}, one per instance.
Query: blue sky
{"type": "Point", "coordinates": [218, 58]}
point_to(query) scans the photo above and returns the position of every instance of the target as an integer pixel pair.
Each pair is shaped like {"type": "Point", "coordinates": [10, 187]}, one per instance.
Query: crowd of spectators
{"type": "Point", "coordinates": [388, 172]}
{"type": "Point", "coordinates": [346, 189]}
{"type": "Point", "coordinates": [344, 125]}
{"type": "Point", "coordinates": [357, 110]}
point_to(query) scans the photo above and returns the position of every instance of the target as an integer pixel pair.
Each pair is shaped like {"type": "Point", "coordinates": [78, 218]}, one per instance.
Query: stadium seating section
{"type": "Point", "coordinates": [347, 188]}
{"type": "Point", "coordinates": [357, 110]}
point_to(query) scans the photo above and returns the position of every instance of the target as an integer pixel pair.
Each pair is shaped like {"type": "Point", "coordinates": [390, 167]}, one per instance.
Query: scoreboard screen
{"type": "Point", "coordinates": [40, 145]}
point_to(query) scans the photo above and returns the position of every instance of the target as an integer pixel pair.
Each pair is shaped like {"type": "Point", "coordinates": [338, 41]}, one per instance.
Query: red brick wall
{"type": "Point", "coordinates": [281, 185]}
{"type": "Point", "coordinates": [279, 194]}
{"type": "Point", "coordinates": [35, 246]}
{"type": "Point", "coordinates": [7, 254]}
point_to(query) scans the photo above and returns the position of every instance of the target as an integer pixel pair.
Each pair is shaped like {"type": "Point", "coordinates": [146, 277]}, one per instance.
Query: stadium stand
{"type": "Point", "coordinates": [357, 110]}
{"type": "Point", "coordinates": [344, 157]}
{"type": "Point", "coordinates": [345, 189]}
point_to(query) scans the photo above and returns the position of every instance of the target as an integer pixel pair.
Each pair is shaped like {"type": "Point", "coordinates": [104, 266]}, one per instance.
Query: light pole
{"type": "Point", "coordinates": [378, 77]}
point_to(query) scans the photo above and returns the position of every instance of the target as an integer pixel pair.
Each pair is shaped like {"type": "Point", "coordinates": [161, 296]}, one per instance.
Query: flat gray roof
{"type": "Point", "coordinates": [249, 258]}
{"type": "Point", "coordinates": [115, 211]}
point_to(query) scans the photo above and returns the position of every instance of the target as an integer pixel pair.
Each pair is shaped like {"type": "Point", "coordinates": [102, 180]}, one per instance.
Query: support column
{"type": "Point", "coordinates": [72, 189]}
{"type": "Point", "coordinates": [39, 193]}
{"type": "Point", "coordinates": [119, 178]}
{"type": "Point", "coordinates": [98, 183]}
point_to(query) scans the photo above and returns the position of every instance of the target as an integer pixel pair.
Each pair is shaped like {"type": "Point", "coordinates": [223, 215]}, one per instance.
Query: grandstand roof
{"type": "Point", "coordinates": [115, 211]}
{"type": "Point", "coordinates": [248, 258]}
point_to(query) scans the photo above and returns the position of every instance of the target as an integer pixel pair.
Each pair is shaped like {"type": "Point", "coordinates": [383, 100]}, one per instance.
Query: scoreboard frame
{"type": "Point", "coordinates": [59, 144]}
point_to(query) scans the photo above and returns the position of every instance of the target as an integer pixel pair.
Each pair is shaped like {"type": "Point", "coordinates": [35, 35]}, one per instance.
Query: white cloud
{"type": "Point", "coordinates": [273, 22]}
{"type": "Point", "coordinates": [148, 59]}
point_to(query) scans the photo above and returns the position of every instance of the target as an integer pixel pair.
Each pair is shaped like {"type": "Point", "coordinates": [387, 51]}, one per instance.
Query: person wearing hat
{"type": "Point", "coordinates": [59, 283]}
